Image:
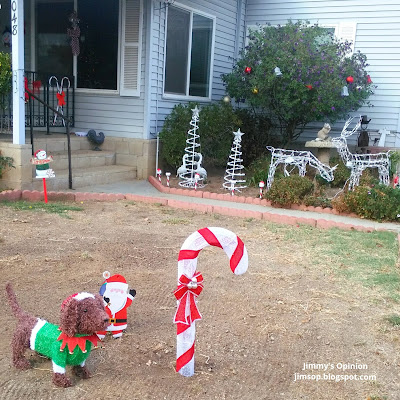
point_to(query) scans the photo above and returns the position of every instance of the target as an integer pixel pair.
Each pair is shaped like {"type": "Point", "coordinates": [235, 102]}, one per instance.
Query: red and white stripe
{"type": "Point", "coordinates": [261, 186]}
{"type": "Point", "coordinates": [159, 174]}
{"type": "Point", "coordinates": [187, 264]}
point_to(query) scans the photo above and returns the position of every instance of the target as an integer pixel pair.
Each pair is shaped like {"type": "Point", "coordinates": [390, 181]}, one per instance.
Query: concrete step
{"type": "Point", "coordinates": [86, 177]}
{"type": "Point", "coordinates": [58, 143]}
{"type": "Point", "coordinates": [82, 159]}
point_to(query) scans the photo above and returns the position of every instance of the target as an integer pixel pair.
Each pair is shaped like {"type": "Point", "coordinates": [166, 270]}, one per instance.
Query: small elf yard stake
{"type": "Point", "coordinates": [190, 285]}
{"type": "Point", "coordinates": [43, 170]}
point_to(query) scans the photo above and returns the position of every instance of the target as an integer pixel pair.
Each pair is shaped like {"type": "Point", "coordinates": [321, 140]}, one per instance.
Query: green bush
{"type": "Point", "coordinates": [5, 162]}
{"type": "Point", "coordinates": [369, 177]}
{"type": "Point", "coordinates": [317, 201]}
{"type": "Point", "coordinates": [379, 202]}
{"type": "Point", "coordinates": [314, 67]}
{"type": "Point", "coordinates": [341, 173]}
{"type": "Point", "coordinates": [173, 134]}
{"type": "Point", "coordinates": [289, 190]}
{"type": "Point", "coordinates": [257, 129]}
{"type": "Point", "coordinates": [217, 122]}
{"type": "Point", "coordinates": [5, 73]}
{"type": "Point", "coordinates": [258, 171]}
{"type": "Point", "coordinates": [394, 162]}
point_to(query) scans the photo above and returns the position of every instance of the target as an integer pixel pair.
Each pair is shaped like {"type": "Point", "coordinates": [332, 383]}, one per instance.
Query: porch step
{"type": "Point", "coordinates": [82, 159]}
{"type": "Point", "coordinates": [86, 177]}
{"type": "Point", "coordinates": [58, 142]}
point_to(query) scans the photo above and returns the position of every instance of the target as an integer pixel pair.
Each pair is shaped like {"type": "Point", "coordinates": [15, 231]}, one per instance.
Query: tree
{"type": "Point", "coordinates": [314, 66]}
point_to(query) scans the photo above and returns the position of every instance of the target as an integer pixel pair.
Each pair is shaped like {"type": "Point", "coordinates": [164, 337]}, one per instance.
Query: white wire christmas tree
{"type": "Point", "coordinates": [191, 172]}
{"type": "Point", "coordinates": [234, 170]}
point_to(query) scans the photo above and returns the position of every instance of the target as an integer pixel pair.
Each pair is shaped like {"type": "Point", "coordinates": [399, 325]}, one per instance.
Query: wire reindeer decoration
{"type": "Point", "coordinates": [299, 159]}
{"type": "Point", "coordinates": [357, 163]}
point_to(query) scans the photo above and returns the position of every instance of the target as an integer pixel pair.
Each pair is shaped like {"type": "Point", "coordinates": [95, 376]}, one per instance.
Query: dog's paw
{"type": "Point", "coordinates": [22, 363]}
{"type": "Point", "coordinates": [81, 372]}
{"type": "Point", "coordinates": [61, 380]}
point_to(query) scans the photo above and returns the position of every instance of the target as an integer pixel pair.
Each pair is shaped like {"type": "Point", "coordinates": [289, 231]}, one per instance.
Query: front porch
{"type": "Point", "coordinates": [119, 159]}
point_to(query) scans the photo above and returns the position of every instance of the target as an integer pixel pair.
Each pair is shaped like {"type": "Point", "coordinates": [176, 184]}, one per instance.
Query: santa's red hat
{"type": "Point", "coordinates": [115, 278]}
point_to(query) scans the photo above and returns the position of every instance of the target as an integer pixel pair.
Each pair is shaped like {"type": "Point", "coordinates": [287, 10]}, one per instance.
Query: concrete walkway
{"type": "Point", "coordinates": [323, 220]}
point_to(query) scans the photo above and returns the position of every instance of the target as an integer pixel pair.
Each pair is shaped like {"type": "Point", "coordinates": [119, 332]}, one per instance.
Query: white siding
{"type": "Point", "coordinates": [377, 36]}
{"type": "Point", "coordinates": [225, 12]}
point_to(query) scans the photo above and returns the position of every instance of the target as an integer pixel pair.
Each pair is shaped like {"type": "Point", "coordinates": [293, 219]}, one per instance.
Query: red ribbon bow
{"type": "Point", "coordinates": [61, 98]}
{"type": "Point", "coordinates": [188, 289]}
{"type": "Point", "coordinates": [27, 90]}
{"type": "Point", "coordinates": [36, 85]}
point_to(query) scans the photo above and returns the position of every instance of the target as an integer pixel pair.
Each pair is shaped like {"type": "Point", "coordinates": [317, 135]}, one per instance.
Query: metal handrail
{"type": "Point", "coordinates": [67, 121]}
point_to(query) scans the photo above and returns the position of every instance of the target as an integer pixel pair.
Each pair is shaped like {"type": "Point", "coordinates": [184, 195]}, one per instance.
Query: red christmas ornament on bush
{"type": "Point", "coordinates": [309, 87]}
{"type": "Point", "coordinates": [349, 79]}
{"type": "Point", "coordinates": [247, 70]}
{"type": "Point", "coordinates": [369, 80]}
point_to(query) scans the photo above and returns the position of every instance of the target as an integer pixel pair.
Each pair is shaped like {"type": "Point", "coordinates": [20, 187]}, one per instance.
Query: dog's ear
{"type": "Point", "coordinates": [100, 301]}
{"type": "Point", "coordinates": [69, 317]}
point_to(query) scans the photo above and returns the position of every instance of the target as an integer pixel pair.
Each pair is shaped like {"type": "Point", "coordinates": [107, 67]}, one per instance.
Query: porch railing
{"type": "Point", "coordinates": [65, 121]}
{"type": "Point", "coordinates": [55, 90]}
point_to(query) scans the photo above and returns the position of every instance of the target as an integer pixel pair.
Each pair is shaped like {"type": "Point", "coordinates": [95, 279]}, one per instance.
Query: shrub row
{"type": "Point", "coordinates": [376, 202]}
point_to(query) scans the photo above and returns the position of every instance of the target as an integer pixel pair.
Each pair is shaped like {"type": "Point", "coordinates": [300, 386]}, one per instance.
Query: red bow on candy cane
{"type": "Point", "coordinates": [61, 98]}
{"type": "Point", "coordinates": [188, 289]}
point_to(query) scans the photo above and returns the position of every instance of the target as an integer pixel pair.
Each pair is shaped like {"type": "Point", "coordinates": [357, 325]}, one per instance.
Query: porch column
{"type": "Point", "coordinates": [17, 30]}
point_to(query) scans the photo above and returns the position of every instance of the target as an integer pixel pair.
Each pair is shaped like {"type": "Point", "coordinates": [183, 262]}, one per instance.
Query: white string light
{"type": "Point", "coordinates": [357, 163]}
{"type": "Point", "coordinates": [191, 161]}
{"type": "Point", "coordinates": [233, 174]}
{"type": "Point", "coordinates": [299, 159]}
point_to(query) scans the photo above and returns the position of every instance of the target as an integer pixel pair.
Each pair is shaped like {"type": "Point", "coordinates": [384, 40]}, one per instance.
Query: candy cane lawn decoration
{"type": "Point", "coordinates": [60, 95]}
{"type": "Point", "coordinates": [159, 174]}
{"type": "Point", "coordinates": [168, 175]}
{"type": "Point", "coordinates": [190, 285]}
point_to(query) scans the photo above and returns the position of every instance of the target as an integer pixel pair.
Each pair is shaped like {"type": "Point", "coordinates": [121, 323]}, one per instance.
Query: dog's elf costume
{"type": "Point", "coordinates": [48, 340]}
{"type": "Point", "coordinates": [63, 350]}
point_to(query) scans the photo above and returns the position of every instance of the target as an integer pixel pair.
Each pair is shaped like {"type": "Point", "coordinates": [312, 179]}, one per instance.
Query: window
{"type": "Point", "coordinates": [53, 52]}
{"type": "Point", "coordinates": [109, 43]}
{"type": "Point", "coordinates": [97, 61]}
{"type": "Point", "coordinates": [189, 53]}
{"type": "Point", "coordinates": [343, 31]}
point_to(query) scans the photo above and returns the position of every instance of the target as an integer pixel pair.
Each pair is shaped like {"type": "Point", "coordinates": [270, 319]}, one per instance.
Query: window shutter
{"type": "Point", "coordinates": [131, 47]}
{"type": "Point", "coordinates": [347, 31]}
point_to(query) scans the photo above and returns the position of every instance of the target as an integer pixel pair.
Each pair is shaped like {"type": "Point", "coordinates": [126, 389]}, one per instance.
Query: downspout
{"type": "Point", "coordinates": [149, 69]}
{"type": "Point", "coordinates": [158, 65]}
{"type": "Point", "coordinates": [397, 140]}
{"type": "Point", "coordinates": [238, 29]}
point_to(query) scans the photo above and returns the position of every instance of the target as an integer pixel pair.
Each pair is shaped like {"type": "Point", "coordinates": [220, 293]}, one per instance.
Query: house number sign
{"type": "Point", "coordinates": [14, 18]}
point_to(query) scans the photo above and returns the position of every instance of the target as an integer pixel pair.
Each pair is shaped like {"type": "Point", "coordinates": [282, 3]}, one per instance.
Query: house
{"type": "Point", "coordinates": [138, 58]}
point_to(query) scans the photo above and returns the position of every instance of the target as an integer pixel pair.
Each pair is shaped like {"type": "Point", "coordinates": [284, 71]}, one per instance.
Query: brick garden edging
{"type": "Point", "coordinates": [239, 199]}
{"type": "Point", "coordinates": [34, 195]}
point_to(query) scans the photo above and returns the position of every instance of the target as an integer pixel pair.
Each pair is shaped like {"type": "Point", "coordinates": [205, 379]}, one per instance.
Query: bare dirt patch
{"type": "Point", "coordinates": [257, 331]}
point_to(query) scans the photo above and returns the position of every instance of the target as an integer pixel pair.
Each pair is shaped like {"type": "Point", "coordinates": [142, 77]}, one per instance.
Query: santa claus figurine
{"type": "Point", "coordinates": [117, 298]}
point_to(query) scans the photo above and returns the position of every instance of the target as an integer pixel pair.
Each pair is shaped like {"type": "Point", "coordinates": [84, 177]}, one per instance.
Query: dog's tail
{"type": "Point", "coordinates": [12, 300]}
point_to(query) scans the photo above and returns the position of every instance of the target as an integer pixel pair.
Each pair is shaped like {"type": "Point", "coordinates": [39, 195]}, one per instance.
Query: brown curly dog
{"type": "Point", "coordinates": [69, 343]}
